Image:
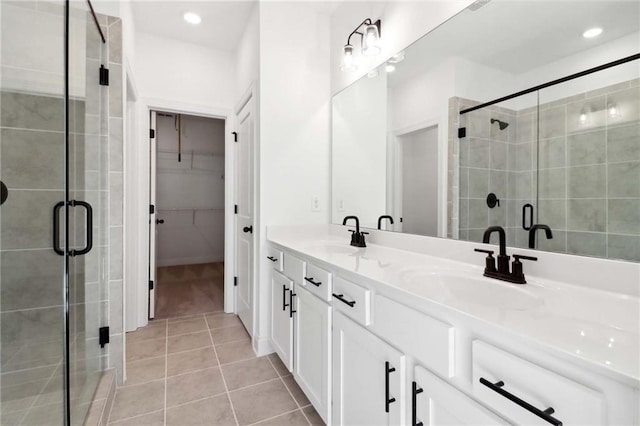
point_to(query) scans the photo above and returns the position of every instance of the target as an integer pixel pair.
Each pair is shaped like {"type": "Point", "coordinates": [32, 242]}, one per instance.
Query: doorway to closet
{"type": "Point", "coordinates": [186, 265]}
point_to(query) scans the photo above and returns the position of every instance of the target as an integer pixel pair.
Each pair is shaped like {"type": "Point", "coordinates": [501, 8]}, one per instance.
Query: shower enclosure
{"type": "Point", "coordinates": [53, 215]}
{"type": "Point", "coordinates": [565, 157]}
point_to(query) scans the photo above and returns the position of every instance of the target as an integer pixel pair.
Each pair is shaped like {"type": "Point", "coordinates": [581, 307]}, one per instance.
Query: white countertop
{"type": "Point", "coordinates": [592, 325]}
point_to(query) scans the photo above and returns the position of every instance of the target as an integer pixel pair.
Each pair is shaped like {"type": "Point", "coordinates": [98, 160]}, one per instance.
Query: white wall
{"type": "Point", "coordinates": [184, 72]}
{"type": "Point", "coordinates": [190, 193]}
{"type": "Point", "coordinates": [403, 22]}
{"type": "Point", "coordinates": [248, 54]}
{"type": "Point", "coordinates": [294, 129]}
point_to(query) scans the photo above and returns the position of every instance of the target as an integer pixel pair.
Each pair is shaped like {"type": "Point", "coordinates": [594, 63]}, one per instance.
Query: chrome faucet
{"type": "Point", "coordinates": [516, 275]}
{"type": "Point", "coordinates": [357, 237]}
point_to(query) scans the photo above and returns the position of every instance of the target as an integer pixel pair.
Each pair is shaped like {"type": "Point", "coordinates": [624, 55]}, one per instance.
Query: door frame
{"type": "Point", "coordinates": [394, 202]}
{"type": "Point", "coordinates": [139, 310]}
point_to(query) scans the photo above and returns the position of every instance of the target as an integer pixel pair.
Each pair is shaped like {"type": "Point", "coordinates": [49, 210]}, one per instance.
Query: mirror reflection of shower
{"type": "Point", "coordinates": [503, 124]}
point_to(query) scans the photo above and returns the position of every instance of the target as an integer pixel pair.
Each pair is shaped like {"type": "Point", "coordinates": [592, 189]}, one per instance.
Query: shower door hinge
{"type": "Point", "coordinates": [462, 132]}
{"type": "Point", "coordinates": [152, 209]}
{"type": "Point", "coordinates": [152, 134]}
{"type": "Point", "coordinates": [151, 285]}
{"type": "Point", "coordinates": [104, 76]}
{"type": "Point", "coordinates": [235, 136]}
{"type": "Point", "coordinates": [235, 209]}
{"type": "Point", "coordinates": [103, 332]}
{"type": "Point", "coordinates": [235, 281]}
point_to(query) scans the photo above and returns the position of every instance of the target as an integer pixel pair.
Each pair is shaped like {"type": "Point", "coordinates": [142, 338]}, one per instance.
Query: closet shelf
{"type": "Point", "coordinates": [188, 209]}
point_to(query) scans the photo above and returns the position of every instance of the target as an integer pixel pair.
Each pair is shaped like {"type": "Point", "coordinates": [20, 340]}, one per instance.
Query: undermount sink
{"type": "Point", "coordinates": [332, 247]}
{"type": "Point", "coordinates": [467, 289]}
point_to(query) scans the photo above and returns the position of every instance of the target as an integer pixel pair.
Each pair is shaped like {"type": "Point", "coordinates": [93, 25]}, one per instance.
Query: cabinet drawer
{"type": "Point", "coordinates": [572, 402]}
{"type": "Point", "coordinates": [353, 300]}
{"type": "Point", "coordinates": [431, 341]}
{"type": "Point", "coordinates": [294, 268]}
{"type": "Point", "coordinates": [274, 256]}
{"type": "Point", "coordinates": [318, 282]}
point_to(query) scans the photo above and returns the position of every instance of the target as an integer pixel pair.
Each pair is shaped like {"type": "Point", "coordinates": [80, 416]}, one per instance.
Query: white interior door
{"type": "Point", "coordinates": [244, 218]}
{"type": "Point", "coordinates": [152, 216]}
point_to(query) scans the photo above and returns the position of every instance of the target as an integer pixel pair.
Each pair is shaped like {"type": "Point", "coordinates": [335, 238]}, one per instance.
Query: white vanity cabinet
{"type": "Point", "coordinates": [368, 377]}
{"type": "Point", "coordinates": [312, 350]}
{"type": "Point", "coordinates": [434, 402]}
{"type": "Point", "coordinates": [282, 311]}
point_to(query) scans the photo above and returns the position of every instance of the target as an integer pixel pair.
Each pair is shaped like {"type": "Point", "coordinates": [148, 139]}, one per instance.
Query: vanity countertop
{"type": "Point", "coordinates": [593, 326]}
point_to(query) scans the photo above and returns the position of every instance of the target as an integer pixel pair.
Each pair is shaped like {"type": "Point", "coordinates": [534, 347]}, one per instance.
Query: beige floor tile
{"type": "Point", "coordinates": [313, 416]}
{"type": "Point", "coordinates": [295, 418]}
{"type": "Point", "coordinates": [44, 415]}
{"type": "Point", "coordinates": [184, 318]}
{"type": "Point", "coordinates": [229, 334]}
{"type": "Point", "coordinates": [295, 390]}
{"type": "Point", "coordinates": [192, 386]}
{"type": "Point", "coordinates": [211, 411]}
{"type": "Point", "coordinates": [149, 332]}
{"type": "Point", "coordinates": [222, 320]}
{"type": "Point", "coordinates": [187, 342]}
{"type": "Point", "coordinates": [146, 349]}
{"type": "Point", "coordinates": [261, 402]}
{"type": "Point", "coordinates": [151, 419]}
{"type": "Point", "coordinates": [185, 362]}
{"type": "Point", "coordinates": [278, 365]}
{"type": "Point", "coordinates": [145, 370]}
{"type": "Point", "coordinates": [246, 373]}
{"type": "Point", "coordinates": [187, 326]}
{"type": "Point", "coordinates": [135, 400]}
{"type": "Point", "coordinates": [235, 351]}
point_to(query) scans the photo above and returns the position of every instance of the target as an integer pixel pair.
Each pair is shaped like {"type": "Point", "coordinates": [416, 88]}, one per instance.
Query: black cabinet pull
{"type": "Point", "coordinates": [343, 300]}
{"type": "Point", "coordinates": [524, 216]}
{"type": "Point", "coordinates": [387, 400]}
{"type": "Point", "coordinates": [248, 229]}
{"type": "Point", "coordinates": [543, 414]}
{"type": "Point", "coordinates": [284, 297]}
{"type": "Point", "coordinates": [310, 280]}
{"type": "Point", "coordinates": [291, 296]}
{"type": "Point", "coordinates": [414, 404]}
{"type": "Point", "coordinates": [271, 258]}
{"type": "Point", "coordinates": [56, 228]}
{"type": "Point", "coordinates": [89, 238]}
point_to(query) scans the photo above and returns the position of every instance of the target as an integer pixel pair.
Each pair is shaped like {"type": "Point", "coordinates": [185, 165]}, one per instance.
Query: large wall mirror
{"type": "Point", "coordinates": [470, 127]}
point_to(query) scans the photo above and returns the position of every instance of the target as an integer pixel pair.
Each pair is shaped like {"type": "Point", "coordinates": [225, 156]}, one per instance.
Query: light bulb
{"type": "Point", "coordinates": [371, 41]}
{"type": "Point", "coordinates": [583, 118]}
{"type": "Point", "coordinates": [192, 18]}
{"type": "Point", "coordinates": [613, 110]}
{"type": "Point", "coordinates": [390, 68]}
{"type": "Point", "coordinates": [592, 32]}
{"type": "Point", "coordinates": [348, 63]}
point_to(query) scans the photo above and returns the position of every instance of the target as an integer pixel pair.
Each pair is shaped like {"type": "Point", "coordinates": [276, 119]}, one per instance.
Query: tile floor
{"type": "Point", "coordinates": [189, 289]}
{"type": "Point", "coordinates": [201, 370]}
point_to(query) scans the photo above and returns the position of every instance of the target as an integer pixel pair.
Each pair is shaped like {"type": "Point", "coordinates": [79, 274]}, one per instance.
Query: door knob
{"type": "Point", "coordinates": [160, 221]}
{"type": "Point", "coordinates": [248, 229]}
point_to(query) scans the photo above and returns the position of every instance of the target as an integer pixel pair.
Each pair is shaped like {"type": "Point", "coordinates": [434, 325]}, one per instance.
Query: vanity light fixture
{"type": "Point", "coordinates": [612, 110]}
{"type": "Point", "coordinates": [192, 18]}
{"type": "Point", "coordinates": [583, 118]}
{"type": "Point", "coordinates": [370, 40]}
{"type": "Point", "coordinates": [592, 32]}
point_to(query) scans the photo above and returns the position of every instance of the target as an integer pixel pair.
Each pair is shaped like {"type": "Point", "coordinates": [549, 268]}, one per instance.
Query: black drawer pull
{"type": "Point", "coordinates": [543, 414]}
{"type": "Point", "coordinates": [387, 400]}
{"type": "Point", "coordinates": [414, 404]}
{"type": "Point", "coordinates": [284, 297]}
{"type": "Point", "coordinates": [291, 296]}
{"type": "Point", "coordinates": [310, 280]}
{"type": "Point", "coordinates": [343, 300]}
{"type": "Point", "coordinates": [271, 258]}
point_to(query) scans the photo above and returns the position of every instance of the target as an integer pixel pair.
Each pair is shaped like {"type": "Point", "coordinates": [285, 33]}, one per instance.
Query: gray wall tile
{"type": "Point", "coordinates": [587, 244]}
{"type": "Point", "coordinates": [587, 182]}
{"type": "Point", "coordinates": [587, 148]}
{"type": "Point", "coordinates": [26, 219]}
{"type": "Point", "coordinates": [552, 153]}
{"type": "Point", "coordinates": [624, 216]}
{"type": "Point", "coordinates": [625, 247]}
{"type": "Point", "coordinates": [478, 183]}
{"type": "Point", "coordinates": [551, 183]}
{"type": "Point", "coordinates": [623, 180]}
{"type": "Point", "coordinates": [623, 143]}
{"type": "Point", "coordinates": [31, 111]}
{"type": "Point", "coordinates": [587, 215]}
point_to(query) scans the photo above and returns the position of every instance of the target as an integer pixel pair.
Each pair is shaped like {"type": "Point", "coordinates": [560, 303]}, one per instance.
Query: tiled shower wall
{"type": "Point", "coordinates": [589, 172]}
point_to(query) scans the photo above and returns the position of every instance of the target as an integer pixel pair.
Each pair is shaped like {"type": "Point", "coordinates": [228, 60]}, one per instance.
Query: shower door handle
{"type": "Point", "coordinates": [89, 234]}
{"type": "Point", "coordinates": [56, 228]}
{"type": "Point", "coordinates": [524, 216]}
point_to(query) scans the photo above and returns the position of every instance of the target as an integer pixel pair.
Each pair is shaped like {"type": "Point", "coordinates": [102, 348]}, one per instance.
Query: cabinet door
{"type": "Point", "coordinates": [368, 377]}
{"type": "Point", "coordinates": [436, 402]}
{"type": "Point", "coordinates": [282, 317]}
{"type": "Point", "coordinates": [312, 366]}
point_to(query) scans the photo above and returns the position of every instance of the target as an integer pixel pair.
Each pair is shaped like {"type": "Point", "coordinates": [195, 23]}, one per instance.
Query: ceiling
{"type": "Point", "coordinates": [223, 22]}
{"type": "Point", "coordinates": [518, 36]}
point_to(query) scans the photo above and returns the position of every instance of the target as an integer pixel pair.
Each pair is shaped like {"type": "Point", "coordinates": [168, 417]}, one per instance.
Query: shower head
{"type": "Point", "coordinates": [503, 124]}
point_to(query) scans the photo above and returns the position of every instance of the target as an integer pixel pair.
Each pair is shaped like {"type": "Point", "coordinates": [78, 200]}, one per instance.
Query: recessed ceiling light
{"type": "Point", "coordinates": [592, 32]}
{"type": "Point", "coordinates": [192, 18]}
{"type": "Point", "coordinates": [390, 68]}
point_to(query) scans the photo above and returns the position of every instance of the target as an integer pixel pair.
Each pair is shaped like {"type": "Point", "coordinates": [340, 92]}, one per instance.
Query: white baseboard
{"type": "Point", "coordinates": [262, 346]}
